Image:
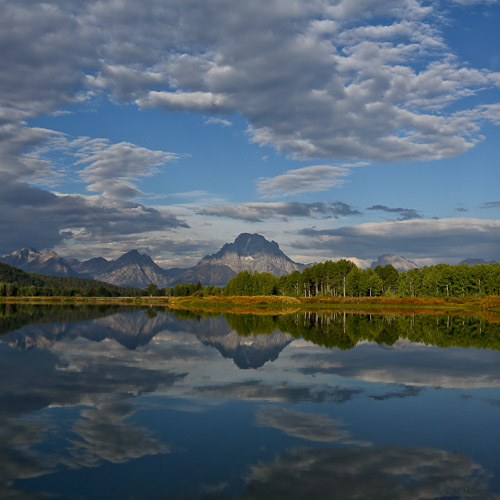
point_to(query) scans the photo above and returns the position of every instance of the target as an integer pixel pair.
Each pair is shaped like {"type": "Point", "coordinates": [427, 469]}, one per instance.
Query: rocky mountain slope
{"type": "Point", "coordinates": [253, 252]}
{"type": "Point", "coordinates": [133, 268]}
{"type": "Point", "coordinates": [250, 252]}
{"type": "Point", "coordinates": [46, 262]}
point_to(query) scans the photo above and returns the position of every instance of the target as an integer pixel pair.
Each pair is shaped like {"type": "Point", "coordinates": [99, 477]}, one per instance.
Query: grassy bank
{"type": "Point", "coordinates": [269, 303]}
{"type": "Point", "coordinates": [280, 304]}
{"type": "Point", "coordinates": [86, 300]}
{"type": "Point", "coordinates": [488, 308]}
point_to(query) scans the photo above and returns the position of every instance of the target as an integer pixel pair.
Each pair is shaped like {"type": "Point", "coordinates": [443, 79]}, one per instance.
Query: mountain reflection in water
{"type": "Point", "coordinates": [117, 402]}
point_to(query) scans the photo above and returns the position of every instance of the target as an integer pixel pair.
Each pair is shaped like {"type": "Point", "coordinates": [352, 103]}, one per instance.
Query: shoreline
{"type": "Point", "coordinates": [284, 303]}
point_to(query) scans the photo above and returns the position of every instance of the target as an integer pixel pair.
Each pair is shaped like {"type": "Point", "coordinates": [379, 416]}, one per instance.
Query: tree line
{"type": "Point", "coordinates": [327, 279]}
{"type": "Point", "coordinates": [345, 279]}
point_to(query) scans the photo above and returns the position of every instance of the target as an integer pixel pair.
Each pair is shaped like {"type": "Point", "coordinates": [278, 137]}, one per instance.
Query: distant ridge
{"type": "Point", "coordinates": [46, 262]}
{"type": "Point", "coordinates": [248, 252]}
{"type": "Point", "coordinates": [131, 269]}
{"type": "Point", "coordinates": [472, 261]}
{"type": "Point", "coordinates": [397, 261]}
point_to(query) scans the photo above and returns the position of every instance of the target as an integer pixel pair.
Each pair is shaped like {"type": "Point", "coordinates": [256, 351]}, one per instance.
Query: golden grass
{"type": "Point", "coordinates": [275, 304]}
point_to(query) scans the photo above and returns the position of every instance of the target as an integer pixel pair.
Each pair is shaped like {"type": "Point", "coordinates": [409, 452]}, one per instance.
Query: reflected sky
{"type": "Point", "coordinates": [165, 404]}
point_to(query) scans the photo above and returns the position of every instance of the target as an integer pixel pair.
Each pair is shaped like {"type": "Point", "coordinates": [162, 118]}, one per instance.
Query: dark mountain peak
{"type": "Point", "coordinates": [132, 253]}
{"type": "Point", "coordinates": [253, 252]}
{"type": "Point", "coordinates": [98, 260]}
{"type": "Point", "coordinates": [247, 244]}
{"type": "Point", "coordinates": [135, 257]}
{"type": "Point", "coordinates": [92, 267]}
{"type": "Point", "coordinates": [471, 261]}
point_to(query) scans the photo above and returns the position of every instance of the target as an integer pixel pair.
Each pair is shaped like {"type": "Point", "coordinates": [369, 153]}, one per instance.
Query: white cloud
{"type": "Point", "coordinates": [357, 79]}
{"type": "Point", "coordinates": [307, 179]}
{"type": "Point", "coordinates": [312, 79]}
{"type": "Point", "coordinates": [42, 219]}
{"type": "Point", "coordinates": [124, 83]}
{"type": "Point", "coordinates": [447, 240]}
{"type": "Point", "coordinates": [112, 168]}
{"type": "Point", "coordinates": [186, 101]}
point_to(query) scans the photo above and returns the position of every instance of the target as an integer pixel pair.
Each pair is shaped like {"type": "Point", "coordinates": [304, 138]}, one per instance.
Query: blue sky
{"type": "Point", "coordinates": [339, 129]}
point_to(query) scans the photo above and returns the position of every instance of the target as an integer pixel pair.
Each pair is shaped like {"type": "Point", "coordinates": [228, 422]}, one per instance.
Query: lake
{"type": "Point", "coordinates": [122, 402]}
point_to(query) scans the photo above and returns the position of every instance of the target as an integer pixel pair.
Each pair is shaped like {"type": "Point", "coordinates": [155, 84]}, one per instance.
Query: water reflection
{"type": "Point", "coordinates": [308, 426]}
{"type": "Point", "coordinates": [387, 472]}
{"type": "Point", "coordinates": [272, 406]}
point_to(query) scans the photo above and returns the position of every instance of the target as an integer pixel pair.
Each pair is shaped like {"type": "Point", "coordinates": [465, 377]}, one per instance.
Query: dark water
{"type": "Point", "coordinates": [127, 403]}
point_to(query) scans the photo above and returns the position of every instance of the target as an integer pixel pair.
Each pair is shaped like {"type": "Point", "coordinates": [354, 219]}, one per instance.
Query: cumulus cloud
{"type": "Point", "coordinates": [401, 213]}
{"type": "Point", "coordinates": [111, 168]}
{"type": "Point", "coordinates": [44, 219]}
{"type": "Point", "coordinates": [441, 239]}
{"type": "Point", "coordinates": [186, 101]}
{"type": "Point", "coordinates": [362, 79]}
{"type": "Point", "coordinates": [257, 212]}
{"type": "Point", "coordinates": [18, 155]}
{"type": "Point", "coordinates": [302, 180]}
{"type": "Point", "coordinates": [47, 219]}
{"type": "Point", "coordinates": [45, 47]}
{"type": "Point", "coordinates": [122, 82]}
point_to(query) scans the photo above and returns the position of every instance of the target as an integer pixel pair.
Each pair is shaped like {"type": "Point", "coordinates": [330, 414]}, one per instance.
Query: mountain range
{"type": "Point", "coordinates": [398, 262]}
{"type": "Point", "coordinates": [250, 252]}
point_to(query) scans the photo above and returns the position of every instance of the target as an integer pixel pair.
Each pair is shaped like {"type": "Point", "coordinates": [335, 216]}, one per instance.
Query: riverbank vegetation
{"type": "Point", "coordinates": [328, 284]}
{"type": "Point", "coordinates": [344, 279]}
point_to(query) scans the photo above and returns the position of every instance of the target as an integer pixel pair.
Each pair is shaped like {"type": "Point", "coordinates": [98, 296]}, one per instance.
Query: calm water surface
{"type": "Point", "coordinates": [141, 403]}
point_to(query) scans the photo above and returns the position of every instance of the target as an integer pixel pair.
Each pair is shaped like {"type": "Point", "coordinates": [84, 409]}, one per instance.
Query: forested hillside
{"type": "Point", "coordinates": [14, 282]}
